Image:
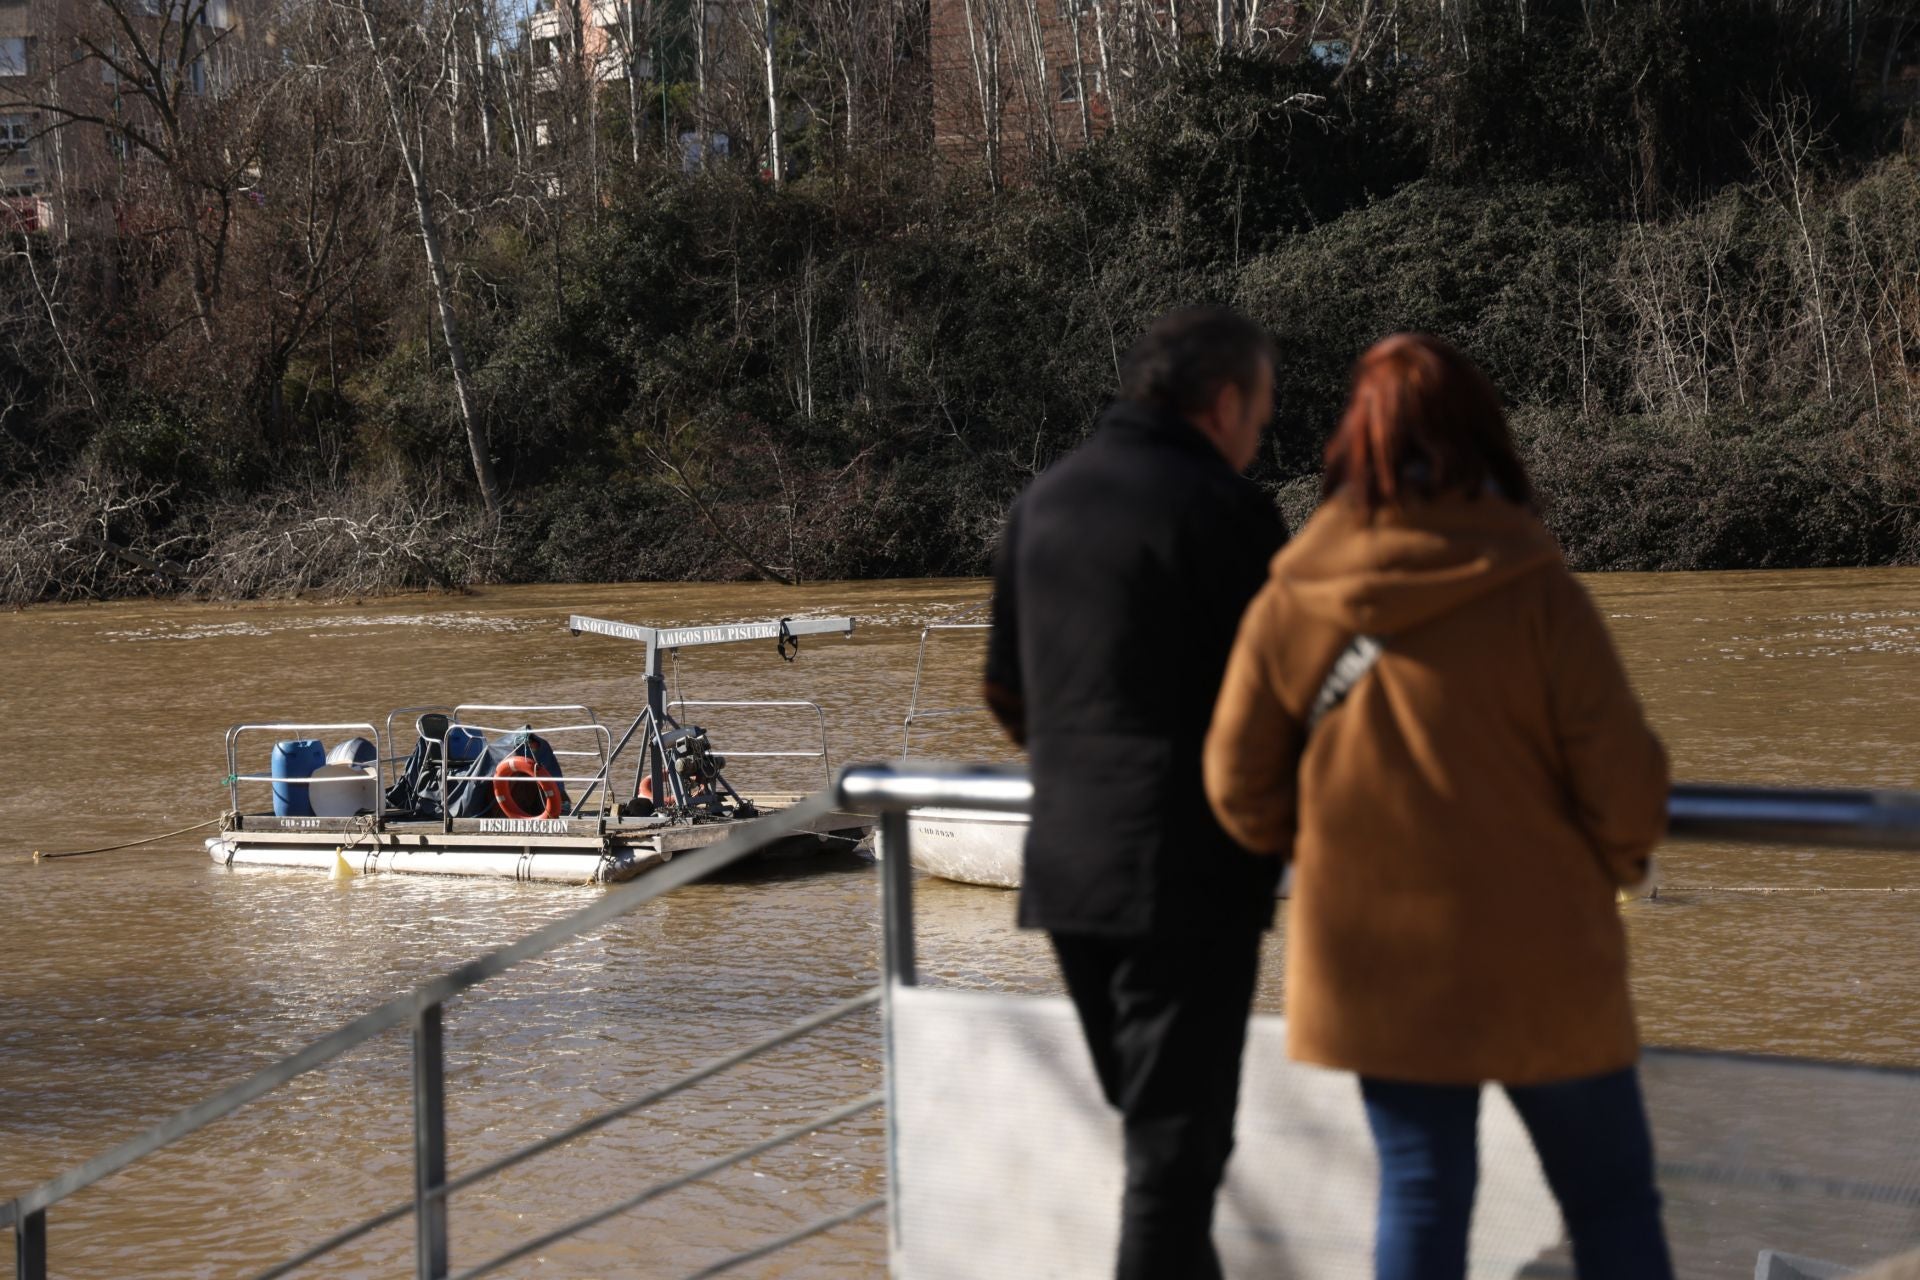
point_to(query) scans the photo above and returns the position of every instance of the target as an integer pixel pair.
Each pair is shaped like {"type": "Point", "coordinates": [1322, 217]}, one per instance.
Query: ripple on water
{"type": "Point", "coordinates": [139, 983]}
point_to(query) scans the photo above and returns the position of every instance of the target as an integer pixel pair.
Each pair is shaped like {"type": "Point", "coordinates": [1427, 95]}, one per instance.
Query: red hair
{"type": "Point", "coordinates": [1422, 420]}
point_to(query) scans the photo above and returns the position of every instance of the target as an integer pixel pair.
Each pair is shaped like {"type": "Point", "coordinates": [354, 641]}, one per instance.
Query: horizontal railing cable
{"type": "Point", "coordinates": [584, 1127]}
{"type": "Point", "coordinates": [658, 1189]}
{"type": "Point", "coordinates": [1858, 819]}
{"type": "Point", "coordinates": [787, 1241]}
{"type": "Point", "coordinates": [400, 1011]}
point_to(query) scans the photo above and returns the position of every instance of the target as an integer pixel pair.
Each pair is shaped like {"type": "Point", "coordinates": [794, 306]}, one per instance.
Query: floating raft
{"type": "Point", "coordinates": [587, 850]}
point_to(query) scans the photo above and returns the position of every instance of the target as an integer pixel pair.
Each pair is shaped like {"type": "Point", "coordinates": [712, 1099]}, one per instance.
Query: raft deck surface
{"type": "Point", "coordinates": [568, 850]}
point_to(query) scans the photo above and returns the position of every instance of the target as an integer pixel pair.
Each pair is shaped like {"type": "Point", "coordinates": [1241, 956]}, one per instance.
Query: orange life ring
{"type": "Point", "coordinates": [507, 781]}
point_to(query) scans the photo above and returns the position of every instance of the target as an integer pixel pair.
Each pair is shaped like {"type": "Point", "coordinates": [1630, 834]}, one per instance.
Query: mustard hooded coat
{"type": "Point", "coordinates": [1460, 823]}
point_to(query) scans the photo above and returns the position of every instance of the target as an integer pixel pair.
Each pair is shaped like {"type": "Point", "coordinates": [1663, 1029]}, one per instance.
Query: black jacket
{"type": "Point", "coordinates": [1119, 586]}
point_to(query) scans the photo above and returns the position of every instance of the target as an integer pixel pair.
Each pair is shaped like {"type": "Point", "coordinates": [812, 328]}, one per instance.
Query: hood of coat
{"type": "Point", "coordinates": [1401, 566]}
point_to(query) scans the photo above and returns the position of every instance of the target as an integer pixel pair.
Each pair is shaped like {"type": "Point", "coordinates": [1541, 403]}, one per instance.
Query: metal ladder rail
{"type": "Point", "coordinates": [421, 1010]}
{"type": "Point", "coordinates": [914, 713]}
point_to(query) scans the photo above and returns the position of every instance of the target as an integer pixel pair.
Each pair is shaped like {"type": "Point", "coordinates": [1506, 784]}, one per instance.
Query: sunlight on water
{"type": "Point", "coordinates": [141, 981]}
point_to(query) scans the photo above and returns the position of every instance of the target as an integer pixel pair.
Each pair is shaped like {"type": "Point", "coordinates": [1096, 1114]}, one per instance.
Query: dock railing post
{"type": "Point", "coordinates": [429, 1145]}
{"type": "Point", "coordinates": [30, 1246]}
{"type": "Point", "coordinates": [897, 968]}
{"type": "Point", "coordinates": [896, 881]}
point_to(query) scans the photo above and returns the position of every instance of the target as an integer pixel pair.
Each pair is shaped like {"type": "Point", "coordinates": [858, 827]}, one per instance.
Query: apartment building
{"type": "Point", "coordinates": [62, 59]}
{"type": "Point", "coordinates": [21, 158]}
{"type": "Point", "coordinates": [603, 39]}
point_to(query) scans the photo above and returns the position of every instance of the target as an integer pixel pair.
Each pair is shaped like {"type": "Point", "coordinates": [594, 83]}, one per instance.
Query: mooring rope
{"type": "Point", "coordinates": [109, 848]}
{"type": "Point", "coordinates": [1781, 888]}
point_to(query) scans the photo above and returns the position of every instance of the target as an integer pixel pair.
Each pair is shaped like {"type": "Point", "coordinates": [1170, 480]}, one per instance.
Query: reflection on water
{"type": "Point", "coordinates": [138, 982]}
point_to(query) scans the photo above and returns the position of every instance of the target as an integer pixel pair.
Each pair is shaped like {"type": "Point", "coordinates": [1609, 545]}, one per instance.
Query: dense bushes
{"type": "Point", "coordinates": [1699, 288]}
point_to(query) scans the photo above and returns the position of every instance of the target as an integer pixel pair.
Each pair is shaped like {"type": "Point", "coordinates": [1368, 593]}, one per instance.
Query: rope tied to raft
{"type": "Point", "coordinates": [38, 856]}
{"type": "Point", "coordinates": [1786, 888]}
{"type": "Point", "coordinates": [789, 644]}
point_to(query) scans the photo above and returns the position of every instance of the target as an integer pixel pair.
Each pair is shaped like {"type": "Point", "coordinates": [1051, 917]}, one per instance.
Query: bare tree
{"type": "Point", "coordinates": [408, 100]}
{"type": "Point", "coordinates": [142, 82]}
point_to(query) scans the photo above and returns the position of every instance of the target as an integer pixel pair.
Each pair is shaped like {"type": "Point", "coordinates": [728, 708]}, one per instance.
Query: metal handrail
{"type": "Point", "coordinates": [919, 667]}
{"type": "Point", "coordinates": [1865, 819]}
{"type": "Point", "coordinates": [26, 1213]}
{"type": "Point", "coordinates": [592, 1123]}
{"type": "Point", "coordinates": [826, 761]}
{"type": "Point", "coordinates": [602, 734]}
{"type": "Point", "coordinates": [1835, 818]}
{"type": "Point", "coordinates": [857, 1107]}
{"type": "Point", "coordinates": [235, 778]}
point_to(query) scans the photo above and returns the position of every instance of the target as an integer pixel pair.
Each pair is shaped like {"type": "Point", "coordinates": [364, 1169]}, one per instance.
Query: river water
{"type": "Point", "coordinates": [137, 982]}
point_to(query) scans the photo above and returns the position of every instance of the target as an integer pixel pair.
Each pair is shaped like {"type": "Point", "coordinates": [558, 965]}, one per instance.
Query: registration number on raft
{"type": "Point", "coordinates": [538, 826]}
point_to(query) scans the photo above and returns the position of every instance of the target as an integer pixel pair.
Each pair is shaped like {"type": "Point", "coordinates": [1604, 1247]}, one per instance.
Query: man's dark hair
{"type": "Point", "coordinates": [1183, 360]}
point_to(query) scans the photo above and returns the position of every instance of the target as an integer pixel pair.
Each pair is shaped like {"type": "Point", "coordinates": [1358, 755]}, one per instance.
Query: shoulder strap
{"type": "Point", "coordinates": [1349, 669]}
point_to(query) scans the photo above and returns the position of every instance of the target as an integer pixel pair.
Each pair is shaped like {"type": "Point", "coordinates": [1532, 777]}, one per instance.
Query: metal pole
{"type": "Point", "coordinates": [606, 771]}
{"type": "Point", "coordinates": [896, 888]}
{"type": "Point", "coordinates": [897, 970]}
{"type": "Point", "coordinates": [657, 705]}
{"type": "Point", "coordinates": [30, 1247]}
{"type": "Point", "coordinates": [429, 1145]}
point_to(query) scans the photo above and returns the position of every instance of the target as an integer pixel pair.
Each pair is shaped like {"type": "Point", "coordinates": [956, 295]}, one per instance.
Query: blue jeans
{"type": "Point", "coordinates": [1594, 1146]}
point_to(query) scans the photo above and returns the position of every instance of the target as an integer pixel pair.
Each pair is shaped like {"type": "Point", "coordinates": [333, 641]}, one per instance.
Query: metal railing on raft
{"type": "Point", "coordinates": [602, 736]}
{"type": "Point", "coordinates": [235, 777]}
{"type": "Point", "coordinates": [1760, 815]}
{"type": "Point", "coordinates": [820, 721]}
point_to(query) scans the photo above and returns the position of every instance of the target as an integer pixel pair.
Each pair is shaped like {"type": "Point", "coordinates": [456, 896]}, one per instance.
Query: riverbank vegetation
{"type": "Point", "coordinates": [1683, 236]}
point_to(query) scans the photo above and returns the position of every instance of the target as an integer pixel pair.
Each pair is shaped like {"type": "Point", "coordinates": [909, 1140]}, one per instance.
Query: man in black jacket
{"type": "Point", "coordinates": [1121, 578]}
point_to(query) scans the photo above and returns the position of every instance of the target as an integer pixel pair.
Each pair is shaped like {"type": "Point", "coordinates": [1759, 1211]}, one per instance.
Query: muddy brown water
{"type": "Point", "coordinates": [135, 983]}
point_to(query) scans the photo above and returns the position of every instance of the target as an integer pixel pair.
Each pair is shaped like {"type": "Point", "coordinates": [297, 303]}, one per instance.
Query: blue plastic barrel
{"type": "Point", "coordinates": [295, 758]}
{"type": "Point", "coordinates": [357, 752]}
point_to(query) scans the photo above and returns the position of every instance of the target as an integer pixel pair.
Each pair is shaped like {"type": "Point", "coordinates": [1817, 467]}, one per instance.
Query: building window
{"type": "Point", "coordinates": [1070, 82]}
{"type": "Point", "coordinates": [542, 135]}
{"type": "Point", "coordinates": [13, 56]}
{"type": "Point", "coordinates": [14, 132]}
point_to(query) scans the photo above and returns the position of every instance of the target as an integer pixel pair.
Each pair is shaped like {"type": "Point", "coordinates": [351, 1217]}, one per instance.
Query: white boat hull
{"type": "Point", "coordinates": [983, 847]}
{"type": "Point", "coordinates": [972, 846]}
{"type": "Point", "coordinates": [587, 866]}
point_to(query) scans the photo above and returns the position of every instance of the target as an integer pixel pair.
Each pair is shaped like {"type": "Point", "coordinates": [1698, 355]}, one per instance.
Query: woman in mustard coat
{"type": "Point", "coordinates": [1424, 710]}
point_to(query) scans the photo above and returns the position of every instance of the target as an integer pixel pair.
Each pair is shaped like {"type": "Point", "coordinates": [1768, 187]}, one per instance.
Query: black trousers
{"type": "Point", "coordinates": [1166, 1021]}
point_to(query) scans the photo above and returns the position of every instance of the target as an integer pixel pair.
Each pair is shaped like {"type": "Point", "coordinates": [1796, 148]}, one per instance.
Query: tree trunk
{"type": "Point", "coordinates": [1106, 60]}
{"type": "Point", "coordinates": [437, 267]}
{"type": "Point", "coordinates": [631, 36]}
{"type": "Point", "coordinates": [482, 79]}
{"type": "Point", "coordinates": [1080, 76]}
{"type": "Point", "coordinates": [773, 94]}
